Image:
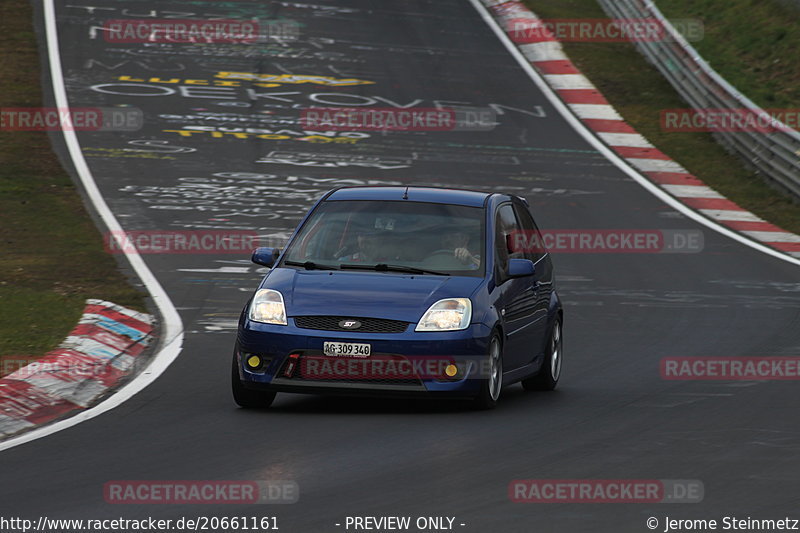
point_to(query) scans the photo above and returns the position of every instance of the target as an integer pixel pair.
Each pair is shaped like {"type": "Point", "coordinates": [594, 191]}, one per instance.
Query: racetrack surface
{"type": "Point", "coordinates": [613, 417]}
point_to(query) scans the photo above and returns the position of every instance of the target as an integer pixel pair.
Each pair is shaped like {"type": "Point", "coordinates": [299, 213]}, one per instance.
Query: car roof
{"type": "Point", "coordinates": [414, 194]}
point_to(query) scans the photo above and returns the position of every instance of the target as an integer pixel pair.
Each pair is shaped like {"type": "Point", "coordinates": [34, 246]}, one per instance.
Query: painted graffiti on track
{"type": "Point", "coordinates": [243, 194]}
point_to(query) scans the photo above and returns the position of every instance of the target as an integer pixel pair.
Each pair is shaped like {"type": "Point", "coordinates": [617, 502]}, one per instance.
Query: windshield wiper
{"type": "Point", "coordinates": [311, 265]}
{"type": "Point", "coordinates": [383, 267]}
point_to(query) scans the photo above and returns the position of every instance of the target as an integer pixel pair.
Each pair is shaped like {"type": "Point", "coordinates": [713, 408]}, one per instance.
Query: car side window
{"type": "Point", "coordinates": [506, 227]}
{"type": "Point", "coordinates": [531, 237]}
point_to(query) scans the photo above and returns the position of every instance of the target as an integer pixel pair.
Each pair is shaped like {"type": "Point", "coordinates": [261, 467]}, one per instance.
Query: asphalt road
{"type": "Point", "coordinates": [613, 417]}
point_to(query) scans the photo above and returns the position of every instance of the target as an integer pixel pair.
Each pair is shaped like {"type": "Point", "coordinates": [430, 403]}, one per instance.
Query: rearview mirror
{"type": "Point", "coordinates": [265, 256]}
{"type": "Point", "coordinates": [519, 268]}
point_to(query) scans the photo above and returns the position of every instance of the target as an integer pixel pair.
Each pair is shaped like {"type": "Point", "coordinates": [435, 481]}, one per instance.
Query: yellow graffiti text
{"type": "Point", "coordinates": [266, 136]}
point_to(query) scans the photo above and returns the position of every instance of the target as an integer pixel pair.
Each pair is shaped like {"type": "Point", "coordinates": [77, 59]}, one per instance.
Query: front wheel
{"type": "Point", "coordinates": [491, 386]}
{"type": "Point", "coordinates": [247, 398]}
{"type": "Point", "coordinates": [547, 378]}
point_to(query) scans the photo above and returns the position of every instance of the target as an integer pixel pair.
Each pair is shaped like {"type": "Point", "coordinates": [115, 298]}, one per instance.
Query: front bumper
{"type": "Point", "coordinates": [401, 364]}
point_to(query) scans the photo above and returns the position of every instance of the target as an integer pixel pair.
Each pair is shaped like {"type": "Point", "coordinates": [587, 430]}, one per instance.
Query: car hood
{"type": "Point", "coordinates": [365, 294]}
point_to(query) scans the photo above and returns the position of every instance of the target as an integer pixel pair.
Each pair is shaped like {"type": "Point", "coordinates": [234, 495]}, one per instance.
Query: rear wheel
{"type": "Point", "coordinates": [547, 378]}
{"type": "Point", "coordinates": [491, 386]}
{"type": "Point", "coordinates": [247, 398]}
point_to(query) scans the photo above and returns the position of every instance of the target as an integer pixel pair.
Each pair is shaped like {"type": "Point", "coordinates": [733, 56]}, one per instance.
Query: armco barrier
{"type": "Point", "coordinates": [582, 100]}
{"type": "Point", "coordinates": [776, 155]}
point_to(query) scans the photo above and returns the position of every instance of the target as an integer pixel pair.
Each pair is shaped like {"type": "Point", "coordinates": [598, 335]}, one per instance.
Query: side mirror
{"type": "Point", "coordinates": [519, 268]}
{"type": "Point", "coordinates": [265, 256]}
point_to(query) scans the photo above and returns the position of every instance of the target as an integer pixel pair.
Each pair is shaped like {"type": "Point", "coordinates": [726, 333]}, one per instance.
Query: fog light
{"type": "Point", "coordinates": [451, 370]}
{"type": "Point", "coordinates": [254, 361]}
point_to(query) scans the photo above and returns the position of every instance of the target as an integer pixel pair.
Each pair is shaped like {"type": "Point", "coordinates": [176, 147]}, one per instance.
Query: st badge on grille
{"type": "Point", "coordinates": [349, 324]}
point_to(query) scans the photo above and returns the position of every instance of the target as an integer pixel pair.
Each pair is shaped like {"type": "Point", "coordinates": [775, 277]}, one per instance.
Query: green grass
{"type": "Point", "coordinates": [753, 44]}
{"type": "Point", "coordinates": [51, 254]}
{"type": "Point", "coordinates": [639, 93]}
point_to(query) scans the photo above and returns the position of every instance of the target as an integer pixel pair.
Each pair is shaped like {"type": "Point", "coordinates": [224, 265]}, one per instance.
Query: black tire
{"type": "Point", "coordinates": [247, 398]}
{"type": "Point", "coordinates": [493, 384]}
{"type": "Point", "coordinates": [548, 376]}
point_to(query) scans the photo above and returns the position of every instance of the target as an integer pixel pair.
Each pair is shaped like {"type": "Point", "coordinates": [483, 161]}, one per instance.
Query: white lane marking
{"type": "Point", "coordinates": [589, 136]}
{"type": "Point", "coordinates": [731, 215]}
{"type": "Point", "coordinates": [692, 191]}
{"type": "Point", "coordinates": [568, 81]}
{"type": "Point", "coordinates": [633, 140]}
{"type": "Point", "coordinates": [171, 329]}
{"type": "Point", "coordinates": [596, 111]}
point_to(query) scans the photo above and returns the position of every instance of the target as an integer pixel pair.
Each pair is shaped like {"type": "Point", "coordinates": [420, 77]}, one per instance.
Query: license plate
{"type": "Point", "coordinates": [346, 349]}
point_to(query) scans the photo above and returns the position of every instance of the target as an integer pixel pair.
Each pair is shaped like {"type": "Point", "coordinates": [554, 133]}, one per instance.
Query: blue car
{"type": "Point", "coordinates": [403, 291]}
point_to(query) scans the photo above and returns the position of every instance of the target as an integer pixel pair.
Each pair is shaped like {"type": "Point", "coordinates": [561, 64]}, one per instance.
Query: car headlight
{"type": "Point", "coordinates": [267, 307]}
{"type": "Point", "coordinates": [450, 314]}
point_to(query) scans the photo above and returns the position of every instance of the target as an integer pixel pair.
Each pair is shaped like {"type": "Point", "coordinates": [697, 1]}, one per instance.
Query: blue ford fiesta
{"type": "Point", "coordinates": [403, 291]}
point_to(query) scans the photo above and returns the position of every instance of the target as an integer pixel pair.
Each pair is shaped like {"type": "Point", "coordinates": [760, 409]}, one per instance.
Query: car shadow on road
{"type": "Point", "coordinates": [513, 398]}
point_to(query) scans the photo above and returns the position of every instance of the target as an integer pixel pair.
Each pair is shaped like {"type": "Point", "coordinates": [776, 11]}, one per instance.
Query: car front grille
{"type": "Point", "coordinates": [368, 325]}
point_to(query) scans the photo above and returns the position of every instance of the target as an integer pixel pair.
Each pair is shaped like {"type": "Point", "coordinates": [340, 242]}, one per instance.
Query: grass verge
{"type": "Point", "coordinates": [753, 45]}
{"type": "Point", "coordinates": [51, 254]}
{"type": "Point", "coordinates": [639, 93]}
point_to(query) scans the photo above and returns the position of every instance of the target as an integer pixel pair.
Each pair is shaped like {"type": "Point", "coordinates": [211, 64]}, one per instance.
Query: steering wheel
{"type": "Point", "coordinates": [443, 258]}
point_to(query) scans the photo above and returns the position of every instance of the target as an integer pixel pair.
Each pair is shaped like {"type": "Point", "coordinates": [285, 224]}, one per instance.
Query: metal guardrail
{"type": "Point", "coordinates": [775, 154]}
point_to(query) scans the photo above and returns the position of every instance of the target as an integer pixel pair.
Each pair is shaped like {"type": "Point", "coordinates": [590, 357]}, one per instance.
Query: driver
{"type": "Point", "coordinates": [458, 242]}
{"type": "Point", "coordinates": [367, 249]}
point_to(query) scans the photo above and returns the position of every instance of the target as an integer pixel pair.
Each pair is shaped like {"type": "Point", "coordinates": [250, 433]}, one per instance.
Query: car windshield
{"type": "Point", "coordinates": [430, 237]}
